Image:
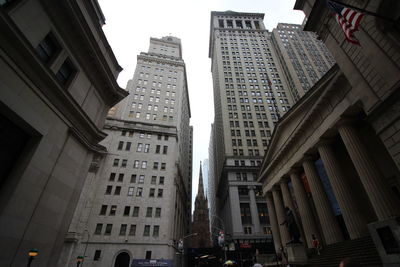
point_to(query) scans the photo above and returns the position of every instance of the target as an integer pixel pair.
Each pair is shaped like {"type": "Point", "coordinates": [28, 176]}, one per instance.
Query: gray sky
{"type": "Point", "coordinates": [130, 24]}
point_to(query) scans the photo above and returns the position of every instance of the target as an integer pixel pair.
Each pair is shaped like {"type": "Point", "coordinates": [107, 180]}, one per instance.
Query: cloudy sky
{"type": "Point", "coordinates": [130, 24]}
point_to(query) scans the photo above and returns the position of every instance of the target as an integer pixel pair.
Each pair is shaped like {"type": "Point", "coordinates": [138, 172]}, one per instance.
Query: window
{"type": "Point", "coordinates": [148, 253]}
{"type": "Point", "coordinates": [245, 213]}
{"type": "Point", "coordinates": [127, 210]}
{"type": "Point", "coordinates": [113, 210]}
{"type": "Point", "coordinates": [139, 192]}
{"type": "Point", "coordinates": [120, 177]}
{"type": "Point", "coordinates": [65, 72]}
{"type": "Point", "coordinates": [155, 165]}
{"type": "Point", "coordinates": [124, 162]}
{"type": "Point", "coordinates": [135, 212]}
{"type": "Point", "coordinates": [144, 164]}
{"type": "Point", "coordinates": [132, 229]}
{"type": "Point", "coordinates": [116, 162]}
{"type": "Point", "coordinates": [262, 213]}
{"type": "Point", "coordinates": [97, 255]}
{"type": "Point", "coordinates": [156, 230]}
{"type": "Point", "coordinates": [133, 178]}
{"type": "Point", "coordinates": [122, 230]}
{"type": "Point", "coordinates": [139, 147]}
{"type": "Point", "coordinates": [152, 192]}
{"type": "Point", "coordinates": [108, 189]}
{"type": "Point", "coordinates": [153, 179]}
{"type": "Point", "coordinates": [163, 166]}
{"type": "Point", "coordinates": [120, 145]}
{"type": "Point", "coordinates": [158, 213]}
{"type": "Point", "coordinates": [146, 231]}
{"type": "Point", "coordinates": [158, 147]}
{"type": "Point", "coordinates": [149, 212]}
{"type": "Point", "coordinates": [103, 210]}
{"type": "Point", "coordinates": [117, 190]}
{"type": "Point", "coordinates": [130, 191]}
{"type": "Point", "coordinates": [47, 48]}
{"type": "Point", "coordinates": [112, 176]}
{"type": "Point", "coordinates": [128, 146]}
{"type": "Point", "coordinates": [146, 148]}
{"type": "Point", "coordinates": [160, 193]}
{"type": "Point", "coordinates": [98, 229]}
{"type": "Point", "coordinates": [136, 164]}
{"type": "Point", "coordinates": [108, 229]}
{"type": "Point", "coordinates": [161, 181]}
{"type": "Point", "coordinates": [247, 230]}
{"type": "Point", "coordinates": [165, 149]}
{"type": "Point", "coordinates": [141, 179]}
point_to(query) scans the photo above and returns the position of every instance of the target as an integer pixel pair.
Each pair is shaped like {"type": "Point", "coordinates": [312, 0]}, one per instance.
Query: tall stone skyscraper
{"type": "Point", "coordinates": [138, 203]}
{"type": "Point", "coordinates": [250, 95]}
{"type": "Point", "coordinates": [201, 223]}
{"type": "Point", "coordinates": [304, 58]}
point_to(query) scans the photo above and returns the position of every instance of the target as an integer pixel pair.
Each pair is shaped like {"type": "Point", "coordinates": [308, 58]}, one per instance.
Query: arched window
{"type": "Point", "coordinates": [122, 260]}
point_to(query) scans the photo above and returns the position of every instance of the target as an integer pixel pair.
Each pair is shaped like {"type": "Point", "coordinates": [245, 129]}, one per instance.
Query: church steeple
{"type": "Point", "coordinates": [201, 186]}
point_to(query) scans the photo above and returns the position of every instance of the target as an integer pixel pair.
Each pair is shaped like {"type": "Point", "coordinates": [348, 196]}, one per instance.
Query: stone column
{"type": "Point", "coordinates": [382, 199]}
{"type": "Point", "coordinates": [288, 202]}
{"type": "Point", "coordinates": [237, 226]}
{"type": "Point", "coordinates": [280, 214]}
{"type": "Point", "coordinates": [306, 215]}
{"type": "Point", "coordinates": [354, 219]}
{"type": "Point", "coordinates": [274, 222]}
{"type": "Point", "coordinates": [329, 225]}
{"type": "Point", "coordinates": [254, 211]}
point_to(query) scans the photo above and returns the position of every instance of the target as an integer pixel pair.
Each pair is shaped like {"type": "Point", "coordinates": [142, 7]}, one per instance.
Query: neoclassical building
{"type": "Point", "coordinates": [334, 157]}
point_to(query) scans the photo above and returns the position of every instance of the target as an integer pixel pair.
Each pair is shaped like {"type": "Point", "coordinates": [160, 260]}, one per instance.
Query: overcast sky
{"type": "Point", "coordinates": [130, 24]}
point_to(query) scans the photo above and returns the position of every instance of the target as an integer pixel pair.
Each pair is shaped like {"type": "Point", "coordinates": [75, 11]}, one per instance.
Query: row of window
{"type": "Point", "coordinates": [127, 211]}
{"type": "Point", "coordinates": [124, 230]}
{"type": "Point", "coordinates": [250, 152]}
{"type": "Point", "coordinates": [131, 191]}
{"type": "Point", "coordinates": [149, 116]}
{"type": "Point", "coordinates": [120, 178]}
{"type": "Point", "coordinates": [243, 163]}
{"type": "Point", "coordinates": [151, 107]}
{"type": "Point", "coordinates": [142, 147]}
{"type": "Point", "coordinates": [139, 164]}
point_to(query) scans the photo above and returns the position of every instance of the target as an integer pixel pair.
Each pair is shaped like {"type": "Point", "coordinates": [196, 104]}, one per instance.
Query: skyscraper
{"type": "Point", "coordinates": [141, 199]}
{"type": "Point", "coordinates": [250, 95]}
{"type": "Point", "coordinates": [305, 59]}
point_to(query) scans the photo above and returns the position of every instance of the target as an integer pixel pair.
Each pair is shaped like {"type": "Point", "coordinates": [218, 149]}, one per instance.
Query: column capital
{"type": "Point", "coordinates": [284, 179]}
{"type": "Point", "coordinates": [308, 157]}
{"type": "Point", "coordinates": [294, 171]}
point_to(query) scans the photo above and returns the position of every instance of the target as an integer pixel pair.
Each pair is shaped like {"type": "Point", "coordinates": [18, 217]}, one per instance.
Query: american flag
{"type": "Point", "coordinates": [348, 19]}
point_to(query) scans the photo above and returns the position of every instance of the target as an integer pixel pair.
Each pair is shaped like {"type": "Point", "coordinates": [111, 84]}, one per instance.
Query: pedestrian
{"type": "Point", "coordinates": [316, 244]}
{"type": "Point", "coordinates": [349, 262]}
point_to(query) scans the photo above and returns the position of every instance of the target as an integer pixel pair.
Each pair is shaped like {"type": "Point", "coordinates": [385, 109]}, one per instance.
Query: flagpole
{"type": "Point", "coordinates": [364, 11]}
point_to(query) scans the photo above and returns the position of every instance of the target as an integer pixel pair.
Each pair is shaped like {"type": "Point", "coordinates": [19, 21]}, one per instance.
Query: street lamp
{"type": "Point", "coordinates": [79, 260]}
{"type": "Point", "coordinates": [32, 254]}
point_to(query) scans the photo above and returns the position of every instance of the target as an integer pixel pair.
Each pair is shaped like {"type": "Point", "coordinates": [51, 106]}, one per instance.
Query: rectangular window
{"type": "Point", "coordinates": [245, 213]}
{"type": "Point", "coordinates": [103, 210]}
{"type": "Point", "coordinates": [117, 191]}
{"type": "Point", "coordinates": [152, 192]}
{"type": "Point", "coordinates": [108, 229]}
{"type": "Point", "coordinates": [144, 164]}
{"type": "Point", "coordinates": [98, 229]}
{"type": "Point", "coordinates": [136, 164]}
{"type": "Point", "coordinates": [135, 212]}
{"type": "Point", "coordinates": [113, 210]}
{"type": "Point", "coordinates": [153, 179]}
{"type": "Point", "coordinates": [130, 191]}
{"type": "Point", "coordinates": [158, 147]}
{"type": "Point", "coordinates": [146, 231]}
{"type": "Point", "coordinates": [120, 145]}
{"type": "Point", "coordinates": [97, 255]}
{"type": "Point", "coordinates": [141, 179]}
{"type": "Point", "coordinates": [148, 255]}
{"type": "Point", "coordinates": [146, 148]}
{"type": "Point", "coordinates": [133, 178]}
{"type": "Point", "coordinates": [116, 162]}
{"type": "Point", "coordinates": [165, 149]}
{"type": "Point", "coordinates": [132, 229]}
{"type": "Point", "coordinates": [124, 162]}
{"type": "Point", "coordinates": [112, 176]}
{"type": "Point", "coordinates": [120, 177]}
{"type": "Point", "coordinates": [149, 212]}
{"type": "Point", "coordinates": [139, 147]}
{"type": "Point", "coordinates": [128, 146]}
{"type": "Point", "coordinates": [160, 193]}
{"type": "Point", "coordinates": [108, 189]}
{"type": "Point", "coordinates": [139, 192]}
{"type": "Point", "coordinates": [47, 48]}
{"type": "Point", "coordinates": [122, 230]}
{"type": "Point", "coordinates": [155, 165]}
{"type": "Point", "coordinates": [66, 71]}
{"type": "Point", "coordinates": [156, 230]}
{"type": "Point", "coordinates": [163, 166]}
{"type": "Point", "coordinates": [127, 210]}
{"type": "Point", "coordinates": [158, 213]}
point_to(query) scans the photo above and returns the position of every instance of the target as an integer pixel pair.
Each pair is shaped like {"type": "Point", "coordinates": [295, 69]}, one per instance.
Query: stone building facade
{"type": "Point", "coordinates": [139, 201]}
{"type": "Point", "coordinates": [57, 82]}
{"type": "Point", "coordinates": [338, 147]}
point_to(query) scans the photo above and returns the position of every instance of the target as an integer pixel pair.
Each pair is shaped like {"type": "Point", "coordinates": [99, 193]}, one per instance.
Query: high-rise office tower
{"type": "Point", "coordinates": [250, 95]}
{"type": "Point", "coordinates": [140, 200]}
{"type": "Point", "coordinates": [305, 59]}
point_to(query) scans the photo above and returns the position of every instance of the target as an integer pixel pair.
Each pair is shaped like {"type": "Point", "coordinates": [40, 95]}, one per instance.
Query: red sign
{"type": "Point", "coordinates": [245, 245]}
